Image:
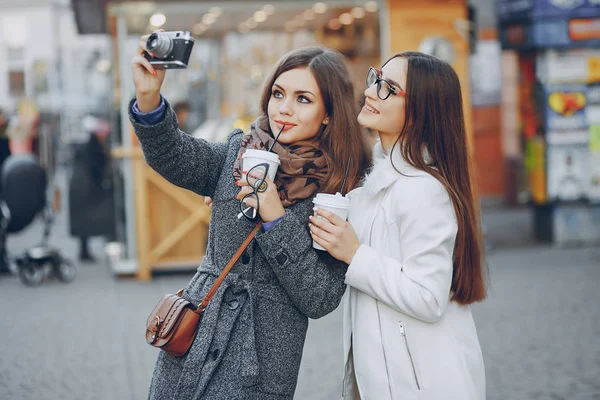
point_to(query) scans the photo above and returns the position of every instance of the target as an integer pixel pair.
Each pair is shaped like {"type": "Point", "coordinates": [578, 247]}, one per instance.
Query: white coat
{"type": "Point", "coordinates": [403, 337]}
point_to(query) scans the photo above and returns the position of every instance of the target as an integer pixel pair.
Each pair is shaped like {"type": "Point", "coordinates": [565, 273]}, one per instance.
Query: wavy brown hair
{"type": "Point", "coordinates": [342, 138]}
{"type": "Point", "coordinates": [435, 121]}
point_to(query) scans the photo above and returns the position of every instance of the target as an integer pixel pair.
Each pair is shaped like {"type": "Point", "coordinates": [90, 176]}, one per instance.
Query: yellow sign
{"type": "Point", "coordinates": [594, 69]}
{"type": "Point", "coordinates": [595, 138]}
{"type": "Point", "coordinates": [566, 103]}
{"type": "Point", "coordinates": [535, 161]}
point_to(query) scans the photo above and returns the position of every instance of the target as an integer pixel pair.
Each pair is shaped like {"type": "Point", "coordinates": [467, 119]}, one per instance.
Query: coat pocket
{"type": "Point", "coordinates": [410, 354]}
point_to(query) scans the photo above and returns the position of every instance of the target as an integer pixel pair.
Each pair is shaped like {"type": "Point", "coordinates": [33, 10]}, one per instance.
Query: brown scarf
{"type": "Point", "coordinates": [303, 167]}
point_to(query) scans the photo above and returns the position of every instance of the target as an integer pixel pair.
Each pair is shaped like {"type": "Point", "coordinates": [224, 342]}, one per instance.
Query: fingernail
{"type": "Point", "coordinates": [310, 217]}
{"type": "Point", "coordinates": [244, 172]}
{"type": "Point", "coordinates": [154, 72]}
{"type": "Point", "coordinates": [236, 182]}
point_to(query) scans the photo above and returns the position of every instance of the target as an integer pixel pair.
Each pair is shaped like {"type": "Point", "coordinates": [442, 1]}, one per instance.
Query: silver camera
{"type": "Point", "coordinates": [171, 50]}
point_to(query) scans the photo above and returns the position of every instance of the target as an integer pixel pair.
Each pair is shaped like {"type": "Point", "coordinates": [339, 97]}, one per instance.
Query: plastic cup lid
{"type": "Point", "coordinates": [266, 155]}
{"type": "Point", "coordinates": [332, 200]}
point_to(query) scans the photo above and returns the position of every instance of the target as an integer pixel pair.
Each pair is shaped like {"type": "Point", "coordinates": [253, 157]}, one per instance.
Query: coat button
{"type": "Point", "coordinates": [215, 354]}
{"type": "Point", "coordinates": [233, 304]}
{"type": "Point", "coordinates": [281, 258]}
{"type": "Point", "coordinates": [245, 258]}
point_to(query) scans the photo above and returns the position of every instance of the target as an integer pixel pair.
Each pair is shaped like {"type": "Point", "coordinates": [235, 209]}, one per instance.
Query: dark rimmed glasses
{"type": "Point", "coordinates": [384, 88]}
{"type": "Point", "coordinates": [256, 179]}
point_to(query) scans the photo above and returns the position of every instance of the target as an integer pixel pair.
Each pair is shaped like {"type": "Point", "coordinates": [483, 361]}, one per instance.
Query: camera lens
{"type": "Point", "coordinates": [159, 44]}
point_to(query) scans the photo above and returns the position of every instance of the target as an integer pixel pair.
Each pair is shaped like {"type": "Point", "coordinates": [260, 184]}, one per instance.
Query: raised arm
{"type": "Point", "coordinates": [187, 162]}
{"type": "Point", "coordinates": [183, 160]}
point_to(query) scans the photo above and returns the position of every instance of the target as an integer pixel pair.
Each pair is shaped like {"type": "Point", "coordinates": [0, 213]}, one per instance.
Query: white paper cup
{"type": "Point", "coordinates": [252, 157]}
{"type": "Point", "coordinates": [336, 203]}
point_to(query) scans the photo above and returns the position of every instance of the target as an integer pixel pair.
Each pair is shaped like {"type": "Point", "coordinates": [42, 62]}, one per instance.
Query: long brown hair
{"type": "Point", "coordinates": [342, 138]}
{"type": "Point", "coordinates": [435, 122]}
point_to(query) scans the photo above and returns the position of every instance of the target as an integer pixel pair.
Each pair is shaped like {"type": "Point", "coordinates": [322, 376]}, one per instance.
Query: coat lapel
{"type": "Point", "coordinates": [386, 171]}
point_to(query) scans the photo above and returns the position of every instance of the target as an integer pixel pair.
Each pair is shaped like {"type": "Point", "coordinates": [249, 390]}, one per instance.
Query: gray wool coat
{"type": "Point", "coordinates": [250, 339]}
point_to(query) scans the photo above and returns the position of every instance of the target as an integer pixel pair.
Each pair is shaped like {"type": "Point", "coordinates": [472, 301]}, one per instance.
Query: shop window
{"type": "Point", "coordinates": [40, 77]}
{"type": "Point", "coordinates": [16, 66]}
{"type": "Point", "coordinates": [16, 54]}
{"type": "Point", "coordinates": [16, 83]}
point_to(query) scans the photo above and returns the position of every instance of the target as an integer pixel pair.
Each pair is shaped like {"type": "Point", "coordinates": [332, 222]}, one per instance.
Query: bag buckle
{"type": "Point", "coordinates": [155, 328]}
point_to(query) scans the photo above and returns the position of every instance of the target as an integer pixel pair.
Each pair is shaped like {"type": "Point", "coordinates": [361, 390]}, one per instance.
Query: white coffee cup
{"type": "Point", "coordinates": [253, 157]}
{"type": "Point", "coordinates": [336, 203]}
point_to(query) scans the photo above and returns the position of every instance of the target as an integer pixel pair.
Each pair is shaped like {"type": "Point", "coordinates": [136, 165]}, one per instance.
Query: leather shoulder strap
{"type": "Point", "coordinates": [202, 307]}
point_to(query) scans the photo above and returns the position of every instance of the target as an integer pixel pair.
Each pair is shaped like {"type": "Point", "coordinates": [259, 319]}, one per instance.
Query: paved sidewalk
{"type": "Point", "coordinates": [539, 330]}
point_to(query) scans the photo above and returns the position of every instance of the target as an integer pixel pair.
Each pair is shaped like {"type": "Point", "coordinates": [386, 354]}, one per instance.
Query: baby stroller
{"type": "Point", "coordinates": [23, 197]}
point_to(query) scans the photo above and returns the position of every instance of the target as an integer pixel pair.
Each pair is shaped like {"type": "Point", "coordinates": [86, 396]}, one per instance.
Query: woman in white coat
{"type": "Point", "coordinates": [412, 243]}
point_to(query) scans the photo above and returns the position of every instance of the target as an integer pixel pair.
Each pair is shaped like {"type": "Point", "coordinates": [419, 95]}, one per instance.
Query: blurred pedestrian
{"type": "Point", "coordinates": [4, 146]}
{"type": "Point", "coordinates": [91, 203]}
{"type": "Point", "coordinates": [182, 112]}
{"type": "Point", "coordinates": [413, 243]}
{"type": "Point", "coordinates": [4, 154]}
{"type": "Point", "coordinates": [250, 339]}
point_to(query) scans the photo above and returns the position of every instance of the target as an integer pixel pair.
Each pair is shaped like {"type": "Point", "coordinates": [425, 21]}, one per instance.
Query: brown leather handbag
{"type": "Point", "coordinates": [173, 323]}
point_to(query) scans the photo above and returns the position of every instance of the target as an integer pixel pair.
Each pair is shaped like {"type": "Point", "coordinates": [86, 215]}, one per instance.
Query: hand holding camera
{"type": "Point", "coordinates": [157, 52]}
{"type": "Point", "coordinates": [169, 50]}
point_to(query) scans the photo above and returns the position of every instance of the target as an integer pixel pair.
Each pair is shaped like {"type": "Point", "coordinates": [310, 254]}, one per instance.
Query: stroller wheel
{"type": "Point", "coordinates": [31, 274]}
{"type": "Point", "coordinates": [66, 271]}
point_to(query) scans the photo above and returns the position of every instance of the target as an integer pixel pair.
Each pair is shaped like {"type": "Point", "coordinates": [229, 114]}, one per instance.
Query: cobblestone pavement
{"type": "Point", "coordinates": [539, 329]}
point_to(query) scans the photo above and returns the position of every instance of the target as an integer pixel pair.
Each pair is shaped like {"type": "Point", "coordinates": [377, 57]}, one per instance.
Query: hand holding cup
{"type": "Point", "coordinates": [270, 207]}
{"type": "Point", "coordinates": [334, 234]}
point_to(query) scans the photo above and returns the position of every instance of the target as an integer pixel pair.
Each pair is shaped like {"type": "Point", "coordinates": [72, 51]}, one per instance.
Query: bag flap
{"type": "Point", "coordinates": [171, 319]}
{"type": "Point", "coordinates": [163, 308]}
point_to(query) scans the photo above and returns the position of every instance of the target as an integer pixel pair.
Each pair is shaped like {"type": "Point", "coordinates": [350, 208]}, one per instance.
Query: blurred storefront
{"type": "Point", "coordinates": [554, 46]}
{"type": "Point", "coordinates": [236, 44]}
{"type": "Point", "coordinates": [50, 77]}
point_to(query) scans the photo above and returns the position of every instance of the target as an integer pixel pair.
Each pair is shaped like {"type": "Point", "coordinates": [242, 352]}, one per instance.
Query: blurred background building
{"type": "Point", "coordinates": [71, 58]}
{"type": "Point", "coordinates": [529, 71]}
{"type": "Point", "coordinates": [553, 49]}
{"type": "Point", "coordinates": [44, 58]}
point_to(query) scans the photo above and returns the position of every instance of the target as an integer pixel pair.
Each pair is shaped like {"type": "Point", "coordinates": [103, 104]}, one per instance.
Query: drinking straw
{"type": "Point", "coordinates": [276, 137]}
{"type": "Point", "coordinates": [345, 175]}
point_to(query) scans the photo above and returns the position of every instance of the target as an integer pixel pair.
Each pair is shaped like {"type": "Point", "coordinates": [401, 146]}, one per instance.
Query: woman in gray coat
{"type": "Point", "coordinates": [250, 339]}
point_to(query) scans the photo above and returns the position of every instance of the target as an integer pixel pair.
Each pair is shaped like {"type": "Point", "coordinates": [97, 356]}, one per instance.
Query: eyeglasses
{"type": "Point", "coordinates": [384, 88]}
{"type": "Point", "coordinates": [256, 179]}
